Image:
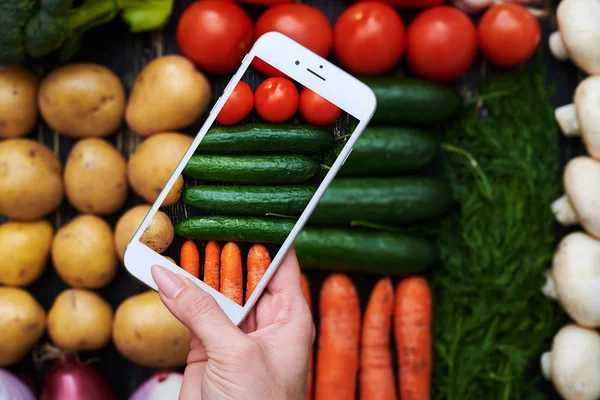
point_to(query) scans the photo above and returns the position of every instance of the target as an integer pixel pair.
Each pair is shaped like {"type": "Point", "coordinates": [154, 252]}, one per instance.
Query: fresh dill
{"type": "Point", "coordinates": [491, 320]}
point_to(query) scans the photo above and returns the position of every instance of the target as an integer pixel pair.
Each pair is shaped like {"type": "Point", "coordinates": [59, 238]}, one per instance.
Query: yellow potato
{"type": "Point", "coordinates": [30, 180]}
{"type": "Point", "coordinates": [168, 94]}
{"type": "Point", "coordinates": [158, 235]}
{"type": "Point", "coordinates": [80, 320]}
{"type": "Point", "coordinates": [83, 253]}
{"type": "Point", "coordinates": [95, 177]}
{"type": "Point", "coordinates": [23, 322]}
{"type": "Point", "coordinates": [153, 162]}
{"type": "Point", "coordinates": [175, 193]}
{"type": "Point", "coordinates": [145, 332]}
{"type": "Point", "coordinates": [82, 100]}
{"type": "Point", "coordinates": [24, 251]}
{"type": "Point", "coordinates": [18, 101]}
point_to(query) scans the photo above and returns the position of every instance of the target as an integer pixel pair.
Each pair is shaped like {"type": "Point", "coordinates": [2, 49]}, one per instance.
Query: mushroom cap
{"type": "Point", "coordinates": [587, 104]}
{"type": "Point", "coordinates": [581, 181]}
{"type": "Point", "coordinates": [576, 363]}
{"type": "Point", "coordinates": [576, 276]}
{"type": "Point", "coordinates": [578, 22]}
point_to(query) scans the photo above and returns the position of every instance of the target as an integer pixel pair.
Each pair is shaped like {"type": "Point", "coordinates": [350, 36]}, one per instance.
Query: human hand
{"type": "Point", "coordinates": [265, 358]}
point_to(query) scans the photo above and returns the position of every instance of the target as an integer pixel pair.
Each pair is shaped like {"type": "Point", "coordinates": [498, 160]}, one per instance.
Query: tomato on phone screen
{"type": "Point", "coordinates": [276, 99]}
{"type": "Point", "coordinates": [238, 105]}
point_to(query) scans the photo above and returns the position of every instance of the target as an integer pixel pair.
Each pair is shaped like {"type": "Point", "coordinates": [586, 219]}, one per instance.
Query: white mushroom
{"type": "Point", "coordinates": [581, 204]}
{"type": "Point", "coordinates": [578, 34]}
{"type": "Point", "coordinates": [582, 117]}
{"type": "Point", "coordinates": [574, 279]}
{"type": "Point", "coordinates": [573, 365]}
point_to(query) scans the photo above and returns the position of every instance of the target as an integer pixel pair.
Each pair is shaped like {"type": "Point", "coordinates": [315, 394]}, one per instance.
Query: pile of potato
{"type": "Point", "coordinates": [87, 103]}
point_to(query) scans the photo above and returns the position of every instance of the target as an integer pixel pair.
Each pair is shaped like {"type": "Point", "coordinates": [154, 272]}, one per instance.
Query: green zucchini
{"type": "Point", "coordinates": [388, 150]}
{"type": "Point", "coordinates": [264, 138]}
{"type": "Point", "coordinates": [249, 200]}
{"type": "Point", "coordinates": [238, 229]}
{"type": "Point", "coordinates": [412, 101]}
{"type": "Point", "coordinates": [388, 201]}
{"type": "Point", "coordinates": [357, 250]}
{"type": "Point", "coordinates": [252, 170]}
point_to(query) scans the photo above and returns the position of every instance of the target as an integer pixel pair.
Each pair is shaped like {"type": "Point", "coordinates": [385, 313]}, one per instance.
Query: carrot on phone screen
{"type": "Point", "coordinates": [190, 258]}
{"type": "Point", "coordinates": [307, 296]}
{"type": "Point", "coordinates": [212, 264]}
{"type": "Point", "coordinates": [259, 260]}
{"type": "Point", "coordinates": [231, 273]}
{"type": "Point", "coordinates": [412, 329]}
{"type": "Point", "coordinates": [376, 372]}
{"type": "Point", "coordinates": [339, 333]}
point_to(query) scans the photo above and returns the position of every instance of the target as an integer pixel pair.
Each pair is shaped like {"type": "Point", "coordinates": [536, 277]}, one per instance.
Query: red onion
{"type": "Point", "coordinates": [69, 379]}
{"type": "Point", "coordinates": [162, 386]}
{"type": "Point", "coordinates": [12, 388]}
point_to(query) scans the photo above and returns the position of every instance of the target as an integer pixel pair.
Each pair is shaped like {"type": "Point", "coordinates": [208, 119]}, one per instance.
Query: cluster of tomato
{"type": "Point", "coordinates": [277, 100]}
{"type": "Point", "coordinates": [368, 39]}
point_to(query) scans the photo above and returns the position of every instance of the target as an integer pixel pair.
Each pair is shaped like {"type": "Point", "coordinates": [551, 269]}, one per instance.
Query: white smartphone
{"type": "Point", "coordinates": [227, 181]}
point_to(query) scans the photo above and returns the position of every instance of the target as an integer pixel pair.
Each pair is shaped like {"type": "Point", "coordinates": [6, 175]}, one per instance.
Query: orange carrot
{"type": "Point", "coordinates": [339, 333]}
{"type": "Point", "coordinates": [258, 262]}
{"type": "Point", "coordinates": [412, 328]}
{"type": "Point", "coordinates": [212, 264]}
{"type": "Point", "coordinates": [189, 258]}
{"type": "Point", "coordinates": [306, 290]}
{"type": "Point", "coordinates": [376, 373]}
{"type": "Point", "coordinates": [231, 273]}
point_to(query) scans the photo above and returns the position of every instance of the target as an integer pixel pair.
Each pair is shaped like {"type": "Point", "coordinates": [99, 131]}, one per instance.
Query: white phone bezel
{"type": "Point", "coordinates": [339, 87]}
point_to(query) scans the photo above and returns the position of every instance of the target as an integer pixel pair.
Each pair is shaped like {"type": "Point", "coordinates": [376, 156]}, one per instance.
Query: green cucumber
{"type": "Point", "coordinates": [357, 250]}
{"type": "Point", "coordinates": [252, 170]}
{"type": "Point", "coordinates": [388, 150]}
{"type": "Point", "coordinates": [264, 138]}
{"type": "Point", "coordinates": [412, 101]}
{"type": "Point", "coordinates": [237, 229]}
{"type": "Point", "coordinates": [387, 201]}
{"type": "Point", "coordinates": [249, 200]}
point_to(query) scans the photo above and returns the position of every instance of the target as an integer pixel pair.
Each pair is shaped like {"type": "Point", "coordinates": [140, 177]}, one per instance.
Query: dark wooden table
{"type": "Point", "coordinates": [113, 46]}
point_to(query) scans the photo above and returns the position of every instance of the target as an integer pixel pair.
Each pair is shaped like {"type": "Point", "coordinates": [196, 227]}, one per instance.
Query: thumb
{"type": "Point", "coordinates": [196, 309]}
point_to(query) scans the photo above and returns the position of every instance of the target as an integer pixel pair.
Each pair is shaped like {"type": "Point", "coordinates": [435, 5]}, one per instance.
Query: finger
{"type": "Point", "coordinates": [196, 309]}
{"type": "Point", "coordinates": [287, 277]}
{"type": "Point", "coordinates": [249, 324]}
{"type": "Point", "coordinates": [191, 387]}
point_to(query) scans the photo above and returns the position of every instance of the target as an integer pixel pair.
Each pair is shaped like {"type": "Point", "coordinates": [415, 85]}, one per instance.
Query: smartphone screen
{"type": "Point", "coordinates": [249, 182]}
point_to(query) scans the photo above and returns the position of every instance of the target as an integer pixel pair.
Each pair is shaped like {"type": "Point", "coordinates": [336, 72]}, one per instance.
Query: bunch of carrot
{"type": "Point", "coordinates": [345, 352]}
{"type": "Point", "coordinates": [223, 268]}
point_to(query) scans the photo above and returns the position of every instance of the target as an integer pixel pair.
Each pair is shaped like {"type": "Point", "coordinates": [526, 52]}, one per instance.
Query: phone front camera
{"type": "Point", "coordinates": [320, 66]}
{"type": "Point", "coordinates": [297, 62]}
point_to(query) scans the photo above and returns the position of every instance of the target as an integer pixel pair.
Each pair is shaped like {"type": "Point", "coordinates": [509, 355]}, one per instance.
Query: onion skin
{"type": "Point", "coordinates": [69, 379]}
{"type": "Point", "coordinates": [162, 386]}
{"type": "Point", "coordinates": [12, 388]}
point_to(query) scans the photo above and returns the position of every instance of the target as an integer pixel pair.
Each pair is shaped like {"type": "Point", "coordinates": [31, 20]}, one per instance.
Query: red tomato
{"type": "Point", "coordinates": [276, 100]}
{"type": "Point", "coordinates": [441, 43]}
{"type": "Point", "coordinates": [264, 2]}
{"type": "Point", "coordinates": [508, 34]}
{"type": "Point", "coordinates": [317, 110]}
{"type": "Point", "coordinates": [215, 35]}
{"type": "Point", "coordinates": [368, 38]}
{"type": "Point", "coordinates": [238, 105]}
{"type": "Point", "coordinates": [413, 3]}
{"type": "Point", "coordinates": [303, 23]}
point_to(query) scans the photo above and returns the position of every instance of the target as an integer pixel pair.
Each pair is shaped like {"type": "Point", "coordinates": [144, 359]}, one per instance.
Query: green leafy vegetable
{"type": "Point", "coordinates": [13, 19]}
{"type": "Point", "coordinates": [46, 32]}
{"type": "Point", "coordinates": [492, 321]}
{"type": "Point", "coordinates": [145, 15]}
{"type": "Point", "coordinates": [36, 28]}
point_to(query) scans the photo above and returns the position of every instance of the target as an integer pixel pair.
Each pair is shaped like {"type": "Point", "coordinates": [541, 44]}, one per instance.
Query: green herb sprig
{"type": "Point", "coordinates": [491, 320]}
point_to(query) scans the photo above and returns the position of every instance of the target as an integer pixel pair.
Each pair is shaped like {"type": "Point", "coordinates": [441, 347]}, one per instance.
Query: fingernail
{"type": "Point", "coordinates": [168, 282]}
